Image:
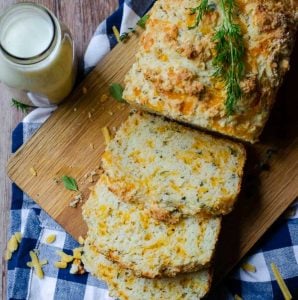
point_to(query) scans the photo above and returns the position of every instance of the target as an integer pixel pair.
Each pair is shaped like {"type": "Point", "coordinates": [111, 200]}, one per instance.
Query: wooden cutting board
{"type": "Point", "coordinates": [71, 143]}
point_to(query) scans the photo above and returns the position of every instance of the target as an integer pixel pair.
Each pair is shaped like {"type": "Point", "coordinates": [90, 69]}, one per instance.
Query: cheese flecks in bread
{"type": "Point", "coordinates": [173, 72]}
{"type": "Point", "coordinates": [150, 248]}
{"type": "Point", "coordinates": [124, 285]}
{"type": "Point", "coordinates": [171, 170]}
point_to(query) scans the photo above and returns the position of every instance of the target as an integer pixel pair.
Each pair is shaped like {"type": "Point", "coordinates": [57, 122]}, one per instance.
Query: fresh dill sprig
{"type": "Point", "coordinates": [200, 10]}
{"type": "Point", "coordinates": [24, 108]}
{"type": "Point", "coordinates": [230, 52]}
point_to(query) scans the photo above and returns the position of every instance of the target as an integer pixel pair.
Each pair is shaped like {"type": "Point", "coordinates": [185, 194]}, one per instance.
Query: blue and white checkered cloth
{"type": "Point", "coordinates": [280, 244]}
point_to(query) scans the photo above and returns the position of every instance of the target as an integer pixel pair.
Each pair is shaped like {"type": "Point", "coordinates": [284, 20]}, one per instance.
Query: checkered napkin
{"type": "Point", "coordinates": [280, 245]}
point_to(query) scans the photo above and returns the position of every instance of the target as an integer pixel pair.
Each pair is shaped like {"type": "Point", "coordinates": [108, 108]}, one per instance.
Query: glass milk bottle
{"type": "Point", "coordinates": [36, 52]}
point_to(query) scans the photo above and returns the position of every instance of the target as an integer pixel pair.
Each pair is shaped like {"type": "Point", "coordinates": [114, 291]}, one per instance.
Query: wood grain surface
{"type": "Point", "coordinates": [62, 147]}
{"type": "Point", "coordinates": [82, 17]}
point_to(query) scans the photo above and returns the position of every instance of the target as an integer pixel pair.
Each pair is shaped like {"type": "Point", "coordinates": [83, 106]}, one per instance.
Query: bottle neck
{"type": "Point", "coordinates": [28, 33]}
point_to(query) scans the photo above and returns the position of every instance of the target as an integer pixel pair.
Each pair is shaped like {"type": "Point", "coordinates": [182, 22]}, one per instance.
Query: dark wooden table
{"type": "Point", "coordinates": [81, 17]}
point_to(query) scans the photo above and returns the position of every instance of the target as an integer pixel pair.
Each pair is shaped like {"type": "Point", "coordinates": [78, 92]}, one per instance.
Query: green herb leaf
{"type": "Point", "coordinates": [142, 22]}
{"type": "Point", "coordinates": [116, 91]}
{"type": "Point", "coordinates": [69, 183]}
{"type": "Point", "coordinates": [230, 51]}
{"type": "Point", "coordinates": [24, 108]}
{"type": "Point", "coordinates": [200, 11]}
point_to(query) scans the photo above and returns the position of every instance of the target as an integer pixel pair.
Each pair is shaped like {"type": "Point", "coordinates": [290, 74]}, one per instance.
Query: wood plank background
{"type": "Point", "coordinates": [82, 17]}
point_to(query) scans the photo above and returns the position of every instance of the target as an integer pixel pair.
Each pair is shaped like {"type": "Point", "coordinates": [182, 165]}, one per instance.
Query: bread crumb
{"type": "Point", "coordinates": [77, 267]}
{"type": "Point", "coordinates": [76, 200]}
{"type": "Point", "coordinates": [106, 134]}
{"type": "Point", "coordinates": [75, 109]}
{"type": "Point", "coordinates": [51, 238]}
{"type": "Point", "coordinates": [248, 267]}
{"type": "Point", "coordinates": [56, 180]}
{"type": "Point", "coordinates": [91, 146]}
{"type": "Point", "coordinates": [36, 264]}
{"type": "Point", "coordinates": [89, 115]}
{"type": "Point", "coordinates": [84, 90]}
{"type": "Point", "coordinates": [60, 264]}
{"type": "Point", "coordinates": [111, 113]}
{"type": "Point", "coordinates": [104, 98]}
{"type": "Point", "coordinates": [33, 171]}
{"type": "Point", "coordinates": [81, 240]}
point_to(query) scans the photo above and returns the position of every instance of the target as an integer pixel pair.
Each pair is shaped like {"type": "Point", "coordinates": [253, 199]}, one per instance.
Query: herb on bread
{"type": "Point", "coordinates": [229, 50]}
{"type": "Point", "coordinates": [70, 183]}
{"type": "Point", "coordinates": [200, 10]}
{"type": "Point", "coordinates": [229, 55]}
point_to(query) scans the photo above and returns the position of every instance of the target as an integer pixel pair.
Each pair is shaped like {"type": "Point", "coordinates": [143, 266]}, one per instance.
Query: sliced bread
{"type": "Point", "coordinates": [171, 170]}
{"type": "Point", "coordinates": [150, 248]}
{"type": "Point", "coordinates": [124, 285]}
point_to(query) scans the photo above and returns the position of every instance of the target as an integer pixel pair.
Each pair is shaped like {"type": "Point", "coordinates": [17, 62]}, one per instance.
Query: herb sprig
{"type": "Point", "coordinates": [142, 22]}
{"type": "Point", "coordinates": [24, 108]}
{"type": "Point", "coordinates": [230, 50]}
{"type": "Point", "coordinates": [229, 55]}
{"type": "Point", "coordinates": [200, 10]}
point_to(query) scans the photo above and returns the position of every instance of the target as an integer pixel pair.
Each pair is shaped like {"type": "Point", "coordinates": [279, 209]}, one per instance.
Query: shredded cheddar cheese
{"type": "Point", "coordinates": [51, 238]}
{"type": "Point", "coordinates": [116, 33]}
{"type": "Point", "coordinates": [36, 264]}
{"type": "Point", "coordinates": [248, 267]}
{"type": "Point", "coordinates": [60, 264]}
{"type": "Point", "coordinates": [33, 171]}
{"type": "Point", "coordinates": [65, 257]}
{"type": "Point", "coordinates": [281, 283]}
{"type": "Point", "coordinates": [106, 134]}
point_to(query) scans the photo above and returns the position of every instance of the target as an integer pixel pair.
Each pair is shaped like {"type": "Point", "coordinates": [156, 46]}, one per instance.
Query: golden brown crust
{"type": "Point", "coordinates": [173, 72]}
{"type": "Point", "coordinates": [167, 271]}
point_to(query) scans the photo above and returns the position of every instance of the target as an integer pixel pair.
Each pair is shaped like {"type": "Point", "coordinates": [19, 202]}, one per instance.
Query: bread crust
{"type": "Point", "coordinates": [123, 284]}
{"type": "Point", "coordinates": [173, 72]}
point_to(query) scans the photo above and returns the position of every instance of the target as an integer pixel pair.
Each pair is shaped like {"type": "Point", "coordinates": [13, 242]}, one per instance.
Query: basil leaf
{"type": "Point", "coordinates": [116, 91]}
{"type": "Point", "coordinates": [70, 183]}
{"type": "Point", "coordinates": [142, 22]}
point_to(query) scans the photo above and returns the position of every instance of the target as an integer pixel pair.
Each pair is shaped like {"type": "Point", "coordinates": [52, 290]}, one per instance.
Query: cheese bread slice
{"type": "Point", "coordinates": [174, 70]}
{"type": "Point", "coordinates": [148, 247]}
{"type": "Point", "coordinates": [171, 170]}
{"type": "Point", "coordinates": [124, 285]}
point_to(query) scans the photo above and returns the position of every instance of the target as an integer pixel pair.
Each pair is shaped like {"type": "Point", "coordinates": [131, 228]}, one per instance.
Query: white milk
{"type": "Point", "coordinates": [28, 34]}
{"type": "Point", "coordinates": [36, 52]}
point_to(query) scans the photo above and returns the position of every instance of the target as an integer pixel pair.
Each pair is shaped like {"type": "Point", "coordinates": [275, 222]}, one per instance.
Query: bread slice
{"type": "Point", "coordinates": [124, 285]}
{"type": "Point", "coordinates": [171, 170]}
{"type": "Point", "coordinates": [150, 248]}
{"type": "Point", "coordinates": [174, 71]}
